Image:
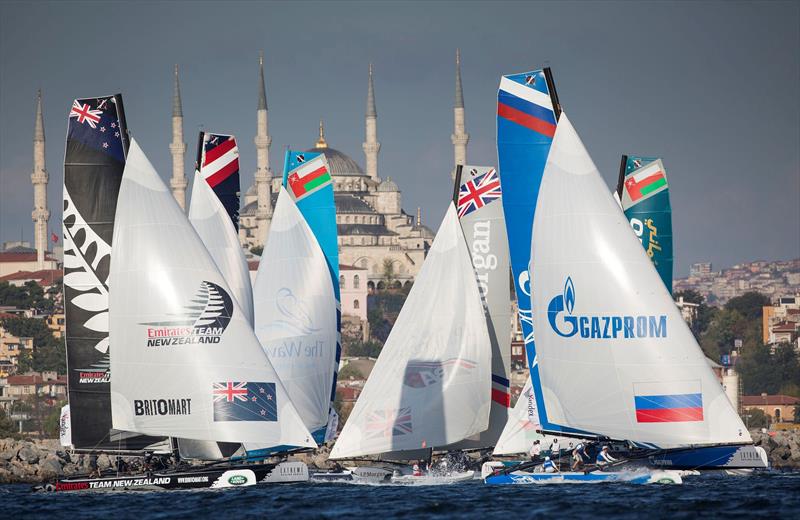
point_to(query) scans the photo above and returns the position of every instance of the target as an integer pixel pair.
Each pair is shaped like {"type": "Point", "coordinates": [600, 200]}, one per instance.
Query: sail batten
{"type": "Point", "coordinates": [614, 354]}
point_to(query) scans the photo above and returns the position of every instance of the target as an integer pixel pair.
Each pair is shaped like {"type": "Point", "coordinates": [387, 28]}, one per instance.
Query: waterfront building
{"type": "Point", "coordinates": [778, 408]}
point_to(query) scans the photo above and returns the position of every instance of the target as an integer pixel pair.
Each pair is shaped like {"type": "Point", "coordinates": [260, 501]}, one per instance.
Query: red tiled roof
{"type": "Point", "coordinates": [769, 400]}
{"type": "Point", "coordinates": [784, 327]}
{"type": "Point", "coordinates": [31, 379]}
{"type": "Point", "coordinates": [347, 393]}
{"type": "Point", "coordinates": [13, 256]}
{"type": "Point", "coordinates": [252, 265]}
{"type": "Point", "coordinates": [43, 276]}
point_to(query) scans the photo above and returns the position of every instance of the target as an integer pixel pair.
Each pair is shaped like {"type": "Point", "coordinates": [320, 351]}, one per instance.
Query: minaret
{"type": "Point", "coordinates": [263, 175]}
{"type": "Point", "coordinates": [460, 137]}
{"type": "Point", "coordinates": [177, 148]}
{"type": "Point", "coordinates": [39, 179]}
{"type": "Point", "coordinates": [371, 145]}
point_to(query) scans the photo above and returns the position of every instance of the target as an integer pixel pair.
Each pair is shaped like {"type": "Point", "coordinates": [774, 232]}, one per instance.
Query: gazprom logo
{"type": "Point", "coordinates": [566, 324]}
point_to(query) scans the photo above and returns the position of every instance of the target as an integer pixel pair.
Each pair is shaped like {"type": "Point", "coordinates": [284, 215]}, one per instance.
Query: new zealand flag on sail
{"type": "Point", "coordinates": [244, 401]}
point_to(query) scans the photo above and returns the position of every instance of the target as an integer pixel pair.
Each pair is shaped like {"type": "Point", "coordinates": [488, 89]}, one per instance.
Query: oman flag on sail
{"type": "Point", "coordinates": [309, 177]}
{"type": "Point", "coordinates": [643, 184]}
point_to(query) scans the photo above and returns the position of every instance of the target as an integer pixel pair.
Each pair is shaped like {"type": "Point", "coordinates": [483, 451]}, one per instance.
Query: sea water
{"type": "Point", "coordinates": [773, 494]}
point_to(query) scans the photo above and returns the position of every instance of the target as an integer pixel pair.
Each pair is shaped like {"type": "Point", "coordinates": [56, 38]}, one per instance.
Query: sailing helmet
{"type": "Point", "coordinates": [547, 458]}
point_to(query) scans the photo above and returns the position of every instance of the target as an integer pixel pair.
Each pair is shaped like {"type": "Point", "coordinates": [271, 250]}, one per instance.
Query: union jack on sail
{"type": "Point", "coordinates": [388, 423]}
{"type": "Point", "coordinates": [478, 192]}
{"type": "Point", "coordinates": [85, 114]}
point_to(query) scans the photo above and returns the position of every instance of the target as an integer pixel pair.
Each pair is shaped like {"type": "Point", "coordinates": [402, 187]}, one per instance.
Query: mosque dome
{"type": "Point", "coordinates": [338, 162]}
{"type": "Point", "coordinates": [388, 185]}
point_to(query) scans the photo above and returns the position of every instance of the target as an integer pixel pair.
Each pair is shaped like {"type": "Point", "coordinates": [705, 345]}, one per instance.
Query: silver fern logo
{"type": "Point", "coordinates": [207, 316]}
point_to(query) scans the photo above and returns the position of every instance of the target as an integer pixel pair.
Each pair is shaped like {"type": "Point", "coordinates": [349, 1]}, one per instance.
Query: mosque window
{"type": "Point", "coordinates": [356, 282]}
{"type": "Point", "coordinates": [341, 281]}
{"type": "Point", "coordinates": [356, 304]}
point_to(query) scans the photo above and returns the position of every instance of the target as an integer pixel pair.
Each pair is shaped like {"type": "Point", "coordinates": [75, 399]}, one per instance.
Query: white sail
{"type": "Point", "coordinates": [296, 312]}
{"type": "Point", "coordinates": [185, 361]}
{"type": "Point", "coordinates": [65, 427]}
{"type": "Point", "coordinates": [215, 228]}
{"type": "Point", "coordinates": [432, 381]}
{"type": "Point", "coordinates": [615, 357]}
{"type": "Point", "coordinates": [520, 430]}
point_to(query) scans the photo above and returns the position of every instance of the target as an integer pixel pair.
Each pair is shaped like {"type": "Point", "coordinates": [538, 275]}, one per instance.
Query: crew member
{"type": "Point", "coordinates": [604, 459]}
{"type": "Point", "coordinates": [536, 450]}
{"type": "Point", "coordinates": [555, 449]}
{"type": "Point", "coordinates": [578, 456]}
{"type": "Point", "coordinates": [416, 471]}
{"type": "Point", "coordinates": [549, 466]}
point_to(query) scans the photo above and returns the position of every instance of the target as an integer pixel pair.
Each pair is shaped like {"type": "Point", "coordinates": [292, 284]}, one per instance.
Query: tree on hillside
{"type": "Point", "coordinates": [704, 313]}
{"type": "Point", "coordinates": [725, 327]}
{"type": "Point", "coordinates": [748, 305]}
{"type": "Point", "coordinates": [765, 371]}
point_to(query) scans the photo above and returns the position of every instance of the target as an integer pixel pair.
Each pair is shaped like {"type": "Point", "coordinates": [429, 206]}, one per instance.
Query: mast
{"type": "Point", "coordinates": [457, 183]}
{"type": "Point", "coordinates": [551, 87]}
{"type": "Point", "coordinates": [621, 178]}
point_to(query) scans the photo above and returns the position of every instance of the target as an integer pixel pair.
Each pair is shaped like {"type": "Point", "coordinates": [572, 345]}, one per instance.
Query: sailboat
{"type": "Point", "coordinates": [186, 362]}
{"type": "Point", "coordinates": [431, 385]}
{"type": "Point", "coordinates": [297, 310]}
{"type": "Point", "coordinates": [95, 156]}
{"type": "Point", "coordinates": [651, 385]}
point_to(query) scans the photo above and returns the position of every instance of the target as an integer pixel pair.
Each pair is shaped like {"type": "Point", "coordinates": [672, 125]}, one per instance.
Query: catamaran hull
{"type": "Point", "coordinates": [207, 478]}
{"type": "Point", "coordinates": [596, 477]}
{"type": "Point", "coordinates": [714, 457]}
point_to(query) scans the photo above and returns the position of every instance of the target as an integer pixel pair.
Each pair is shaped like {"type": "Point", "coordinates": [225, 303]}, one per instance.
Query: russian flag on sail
{"type": "Point", "coordinates": [526, 106]}
{"type": "Point", "coordinates": [669, 408]}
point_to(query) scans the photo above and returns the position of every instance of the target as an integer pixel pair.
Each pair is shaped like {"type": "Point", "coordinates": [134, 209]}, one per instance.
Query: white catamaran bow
{"type": "Point", "coordinates": [615, 356]}
{"type": "Point", "coordinates": [431, 384]}
{"type": "Point", "coordinates": [186, 362]}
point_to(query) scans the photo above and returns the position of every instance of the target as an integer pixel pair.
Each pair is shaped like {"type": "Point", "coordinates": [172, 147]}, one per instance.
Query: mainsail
{"type": "Point", "coordinates": [186, 362]}
{"type": "Point", "coordinates": [431, 384]}
{"type": "Point", "coordinates": [614, 354]}
{"type": "Point", "coordinates": [213, 223]}
{"type": "Point", "coordinates": [527, 111]}
{"type": "Point", "coordinates": [296, 312]}
{"type": "Point", "coordinates": [480, 212]}
{"type": "Point", "coordinates": [307, 178]}
{"type": "Point", "coordinates": [644, 196]}
{"type": "Point", "coordinates": [97, 144]}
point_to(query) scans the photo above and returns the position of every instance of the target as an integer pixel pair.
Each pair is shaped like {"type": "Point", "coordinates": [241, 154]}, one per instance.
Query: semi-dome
{"type": "Point", "coordinates": [388, 185]}
{"type": "Point", "coordinates": [338, 162]}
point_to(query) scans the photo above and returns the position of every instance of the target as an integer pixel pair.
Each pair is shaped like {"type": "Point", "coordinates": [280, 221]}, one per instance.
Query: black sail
{"type": "Point", "coordinates": [97, 143]}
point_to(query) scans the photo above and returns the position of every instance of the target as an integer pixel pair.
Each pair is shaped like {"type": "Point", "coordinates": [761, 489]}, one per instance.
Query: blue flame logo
{"type": "Point", "coordinates": [569, 294]}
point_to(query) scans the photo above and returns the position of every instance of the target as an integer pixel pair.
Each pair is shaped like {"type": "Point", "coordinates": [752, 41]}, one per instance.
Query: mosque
{"type": "Point", "coordinates": [375, 233]}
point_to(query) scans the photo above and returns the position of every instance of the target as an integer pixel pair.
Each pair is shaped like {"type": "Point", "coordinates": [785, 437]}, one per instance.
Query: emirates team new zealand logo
{"type": "Point", "coordinates": [206, 318]}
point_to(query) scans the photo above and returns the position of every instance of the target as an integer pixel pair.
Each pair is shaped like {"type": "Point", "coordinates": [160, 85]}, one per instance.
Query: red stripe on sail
{"type": "Point", "coordinates": [502, 398]}
{"type": "Point", "coordinates": [219, 150]}
{"type": "Point", "coordinates": [670, 415]}
{"type": "Point", "coordinates": [319, 172]}
{"type": "Point", "coordinates": [526, 120]}
{"type": "Point", "coordinates": [223, 173]}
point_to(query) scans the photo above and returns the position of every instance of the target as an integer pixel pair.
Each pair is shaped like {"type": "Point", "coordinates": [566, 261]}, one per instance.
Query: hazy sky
{"type": "Point", "coordinates": [712, 87]}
